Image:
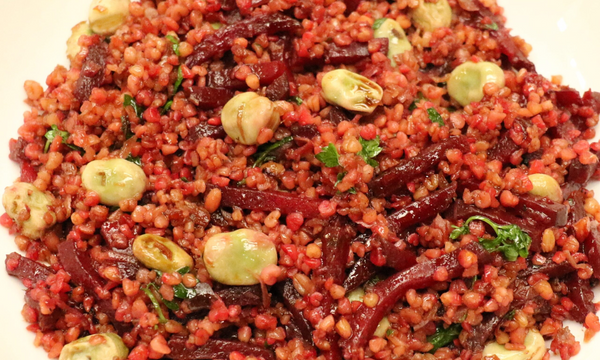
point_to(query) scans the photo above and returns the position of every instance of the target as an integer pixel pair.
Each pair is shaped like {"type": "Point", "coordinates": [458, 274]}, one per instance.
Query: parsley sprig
{"type": "Point", "coordinates": [53, 133]}
{"type": "Point", "coordinates": [265, 152]}
{"type": "Point", "coordinates": [443, 337]}
{"type": "Point", "coordinates": [175, 43]}
{"type": "Point", "coordinates": [435, 116]}
{"type": "Point", "coordinates": [329, 156]}
{"type": "Point", "coordinates": [510, 239]}
{"type": "Point", "coordinates": [370, 149]}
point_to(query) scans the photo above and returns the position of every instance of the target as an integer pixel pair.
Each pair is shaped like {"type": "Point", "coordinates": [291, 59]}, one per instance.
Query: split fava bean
{"type": "Point", "coordinates": [351, 91]}
{"type": "Point", "coordinates": [246, 114]}
{"type": "Point", "coordinates": [535, 349]}
{"type": "Point", "coordinates": [398, 43]}
{"type": "Point", "coordinates": [30, 208]}
{"type": "Point", "coordinates": [114, 180]}
{"type": "Point", "coordinates": [545, 186]}
{"type": "Point", "coordinates": [238, 257]}
{"type": "Point", "coordinates": [106, 346]}
{"type": "Point", "coordinates": [429, 16]}
{"type": "Point", "coordinates": [73, 47]}
{"type": "Point", "coordinates": [467, 80]}
{"type": "Point", "coordinates": [162, 254]}
{"type": "Point", "coordinates": [106, 16]}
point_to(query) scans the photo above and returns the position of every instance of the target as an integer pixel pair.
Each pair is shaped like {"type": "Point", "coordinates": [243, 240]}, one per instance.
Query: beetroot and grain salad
{"type": "Point", "coordinates": [304, 179]}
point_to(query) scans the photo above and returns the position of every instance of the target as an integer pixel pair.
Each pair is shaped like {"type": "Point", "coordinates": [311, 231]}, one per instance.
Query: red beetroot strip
{"type": "Point", "coordinates": [423, 209]}
{"type": "Point", "coordinates": [592, 249]}
{"type": "Point", "coordinates": [408, 169]}
{"type": "Point", "coordinates": [222, 40]}
{"type": "Point", "coordinates": [207, 98]}
{"type": "Point", "coordinates": [266, 73]}
{"type": "Point", "coordinates": [28, 271]}
{"type": "Point", "coordinates": [392, 289]}
{"type": "Point", "coordinates": [253, 199]}
{"type": "Point", "coordinates": [336, 238]}
{"type": "Point", "coordinates": [215, 349]}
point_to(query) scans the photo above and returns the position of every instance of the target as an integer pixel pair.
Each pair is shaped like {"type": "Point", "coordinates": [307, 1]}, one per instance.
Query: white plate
{"type": "Point", "coordinates": [565, 35]}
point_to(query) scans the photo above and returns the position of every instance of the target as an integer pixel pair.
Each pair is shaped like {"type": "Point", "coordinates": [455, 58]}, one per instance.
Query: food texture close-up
{"type": "Point", "coordinates": [300, 180]}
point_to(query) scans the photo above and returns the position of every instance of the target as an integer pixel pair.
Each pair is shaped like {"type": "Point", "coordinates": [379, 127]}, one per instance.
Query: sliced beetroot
{"type": "Point", "coordinates": [241, 295]}
{"type": "Point", "coordinates": [252, 199]}
{"type": "Point", "coordinates": [592, 249]}
{"type": "Point", "coordinates": [395, 178]}
{"type": "Point", "coordinates": [203, 130]}
{"type": "Point", "coordinates": [336, 238]}
{"type": "Point", "coordinates": [203, 298]}
{"type": "Point", "coordinates": [288, 293]}
{"type": "Point", "coordinates": [217, 43]}
{"type": "Point", "coordinates": [506, 147]}
{"type": "Point", "coordinates": [17, 150]}
{"type": "Point", "coordinates": [555, 214]}
{"type": "Point", "coordinates": [396, 258]}
{"type": "Point", "coordinates": [480, 334]}
{"type": "Point", "coordinates": [278, 89]}
{"type": "Point", "coordinates": [207, 98]}
{"type": "Point", "coordinates": [392, 289]}
{"type": "Point", "coordinates": [423, 209]}
{"type": "Point", "coordinates": [92, 70]}
{"type": "Point", "coordinates": [78, 264]}
{"type": "Point", "coordinates": [267, 73]}
{"type": "Point", "coordinates": [582, 296]}
{"type": "Point", "coordinates": [47, 322]}
{"type": "Point", "coordinates": [362, 270]}
{"type": "Point", "coordinates": [354, 52]}
{"type": "Point", "coordinates": [214, 349]}
{"type": "Point", "coordinates": [580, 173]}
{"type": "Point", "coordinates": [28, 271]}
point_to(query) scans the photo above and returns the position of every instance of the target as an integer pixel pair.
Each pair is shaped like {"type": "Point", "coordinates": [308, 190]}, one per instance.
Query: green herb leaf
{"type": "Point", "coordinates": [377, 24]}
{"type": "Point", "coordinates": [329, 156]}
{"type": "Point", "coordinates": [510, 315]}
{"type": "Point", "coordinates": [184, 179]}
{"type": "Point", "coordinates": [295, 99]}
{"type": "Point", "coordinates": [352, 190]}
{"type": "Point", "coordinates": [183, 292]}
{"type": "Point", "coordinates": [179, 80]}
{"type": "Point", "coordinates": [129, 101]}
{"type": "Point", "coordinates": [167, 107]}
{"type": "Point", "coordinates": [155, 303]}
{"type": "Point", "coordinates": [184, 270]}
{"type": "Point", "coordinates": [435, 116]}
{"type": "Point", "coordinates": [492, 26]}
{"type": "Point", "coordinates": [175, 42]}
{"type": "Point", "coordinates": [171, 305]}
{"type": "Point", "coordinates": [389, 332]}
{"type": "Point", "coordinates": [443, 337]}
{"type": "Point", "coordinates": [340, 177]}
{"type": "Point", "coordinates": [136, 160]}
{"type": "Point", "coordinates": [64, 135]}
{"type": "Point", "coordinates": [510, 239]}
{"type": "Point", "coordinates": [263, 153]}
{"type": "Point", "coordinates": [370, 149]}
